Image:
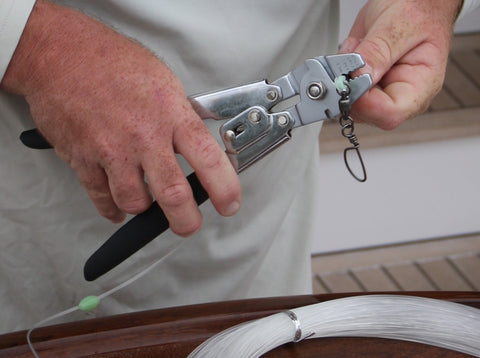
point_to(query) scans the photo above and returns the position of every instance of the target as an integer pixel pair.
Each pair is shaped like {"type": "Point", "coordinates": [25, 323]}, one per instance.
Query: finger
{"type": "Point", "coordinates": [383, 45]}
{"type": "Point", "coordinates": [213, 168]}
{"type": "Point", "coordinates": [172, 192]}
{"type": "Point", "coordinates": [384, 108]}
{"type": "Point", "coordinates": [95, 182]}
{"type": "Point", "coordinates": [128, 188]}
{"type": "Point", "coordinates": [403, 93]}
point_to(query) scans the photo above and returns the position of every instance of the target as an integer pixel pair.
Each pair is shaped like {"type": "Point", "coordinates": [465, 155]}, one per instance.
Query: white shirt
{"type": "Point", "coordinates": [49, 227]}
{"type": "Point", "coordinates": [13, 17]}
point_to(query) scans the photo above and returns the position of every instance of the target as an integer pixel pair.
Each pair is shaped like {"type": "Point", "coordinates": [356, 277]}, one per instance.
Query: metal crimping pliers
{"type": "Point", "coordinates": [253, 129]}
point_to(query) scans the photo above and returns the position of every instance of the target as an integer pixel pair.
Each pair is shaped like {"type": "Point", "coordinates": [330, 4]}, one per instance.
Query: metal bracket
{"type": "Point", "coordinates": [253, 134]}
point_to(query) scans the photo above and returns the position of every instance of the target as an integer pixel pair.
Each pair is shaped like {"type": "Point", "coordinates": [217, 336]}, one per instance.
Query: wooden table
{"type": "Point", "coordinates": [175, 332]}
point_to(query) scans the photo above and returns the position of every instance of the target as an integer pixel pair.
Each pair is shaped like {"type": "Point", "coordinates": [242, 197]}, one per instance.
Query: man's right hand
{"type": "Point", "coordinates": [117, 114]}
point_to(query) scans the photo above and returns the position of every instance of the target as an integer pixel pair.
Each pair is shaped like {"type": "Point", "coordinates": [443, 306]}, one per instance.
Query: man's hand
{"type": "Point", "coordinates": [405, 44]}
{"type": "Point", "coordinates": [117, 114]}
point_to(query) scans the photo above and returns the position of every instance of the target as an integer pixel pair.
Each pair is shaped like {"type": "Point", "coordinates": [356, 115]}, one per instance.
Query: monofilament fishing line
{"type": "Point", "coordinates": [90, 302]}
{"type": "Point", "coordinates": [423, 320]}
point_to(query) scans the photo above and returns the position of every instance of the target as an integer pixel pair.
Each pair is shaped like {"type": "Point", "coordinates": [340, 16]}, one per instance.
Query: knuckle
{"type": "Point", "coordinates": [131, 197]}
{"type": "Point", "coordinates": [106, 155]}
{"type": "Point", "coordinates": [378, 51]}
{"type": "Point", "coordinates": [174, 195]}
{"type": "Point", "coordinates": [96, 185]}
{"type": "Point", "coordinates": [211, 154]}
{"type": "Point", "coordinates": [134, 205]}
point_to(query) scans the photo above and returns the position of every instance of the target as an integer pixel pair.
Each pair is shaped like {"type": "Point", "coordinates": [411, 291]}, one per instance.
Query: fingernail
{"type": "Point", "coordinates": [232, 208]}
{"type": "Point", "coordinates": [348, 45]}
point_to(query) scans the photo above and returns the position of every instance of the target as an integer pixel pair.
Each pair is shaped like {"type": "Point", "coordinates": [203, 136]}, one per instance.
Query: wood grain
{"type": "Point", "coordinates": [175, 332]}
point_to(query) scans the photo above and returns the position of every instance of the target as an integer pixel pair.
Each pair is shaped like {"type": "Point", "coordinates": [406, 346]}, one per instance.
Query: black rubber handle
{"type": "Point", "coordinates": [132, 236]}
{"type": "Point", "coordinates": [33, 139]}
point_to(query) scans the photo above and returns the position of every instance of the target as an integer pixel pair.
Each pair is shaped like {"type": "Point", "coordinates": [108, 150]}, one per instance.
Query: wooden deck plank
{"type": "Point", "coordinates": [409, 277]}
{"type": "Point", "coordinates": [465, 42]}
{"type": "Point", "coordinates": [443, 275]}
{"type": "Point", "coordinates": [317, 286]}
{"type": "Point", "coordinates": [340, 281]}
{"type": "Point", "coordinates": [444, 101]}
{"type": "Point", "coordinates": [374, 279]}
{"type": "Point", "coordinates": [442, 264]}
{"type": "Point", "coordinates": [389, 255]}
{"type": "Point", "coordinates": [469, 61]}
{"type": "Point", "coordinates": [457, 82]}
{"type": "Point", "coordinates": [469, 266]}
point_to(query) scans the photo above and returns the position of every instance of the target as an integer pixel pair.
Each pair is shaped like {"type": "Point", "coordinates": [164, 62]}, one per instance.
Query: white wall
{"type": "Point", "coordinates": [413, 192]}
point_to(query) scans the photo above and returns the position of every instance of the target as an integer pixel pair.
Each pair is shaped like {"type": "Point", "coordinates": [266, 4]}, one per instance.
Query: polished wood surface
{"type": "Point", "coordinates": [175, 332]}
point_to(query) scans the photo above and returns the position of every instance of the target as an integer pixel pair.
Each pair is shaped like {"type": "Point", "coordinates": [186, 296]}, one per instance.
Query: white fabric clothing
{"type": "Point", "coordinates": [467, 7]}
{"type": "Point", "coordinates": [49, 227]}
{"type": "Point", "coordinates": [13, 17]}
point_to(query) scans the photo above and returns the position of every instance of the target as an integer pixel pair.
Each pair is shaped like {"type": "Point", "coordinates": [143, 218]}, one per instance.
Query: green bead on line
{"type": "Point", "coordinates": [89, 303]}
{"type": "Point", "coordinates": [340, 83]}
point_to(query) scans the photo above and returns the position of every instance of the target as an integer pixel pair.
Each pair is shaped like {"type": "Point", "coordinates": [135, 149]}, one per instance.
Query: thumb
{"type": "Point", "coordinates": [381, 43]}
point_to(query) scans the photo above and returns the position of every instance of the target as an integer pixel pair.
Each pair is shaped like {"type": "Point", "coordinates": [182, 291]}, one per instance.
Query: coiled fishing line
{"type": "Point", "coordinates": [429, 321]}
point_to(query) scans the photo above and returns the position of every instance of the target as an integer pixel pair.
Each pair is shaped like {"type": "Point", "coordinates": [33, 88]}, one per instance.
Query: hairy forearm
{"type": "Point", "coordinates": [116, 114]}
{"type": "Point", "coordinates": [39, 39]}
{"type": "Point", "coordinates": [52, 35]}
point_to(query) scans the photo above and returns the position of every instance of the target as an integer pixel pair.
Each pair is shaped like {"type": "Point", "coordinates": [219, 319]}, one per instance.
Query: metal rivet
{"type": "Point", "coordinates": [254, 116]}
{"type": "Point", "coordinates": [272, 95]}
{"type": "Point", "coordinates": [229, 135]}
{"type": "Point", "coordinates": [283, 120]}
{"type": "Point", "coordinates": [316, 90]}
